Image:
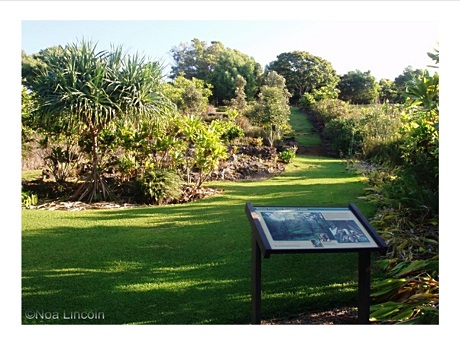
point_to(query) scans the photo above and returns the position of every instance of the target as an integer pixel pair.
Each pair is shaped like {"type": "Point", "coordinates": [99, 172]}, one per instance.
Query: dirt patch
{"type": "Point", "coordinates": [336, 316]}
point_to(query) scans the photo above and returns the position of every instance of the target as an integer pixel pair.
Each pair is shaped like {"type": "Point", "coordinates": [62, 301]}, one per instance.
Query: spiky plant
{"type": "Point", "coordinates": [84, 90]}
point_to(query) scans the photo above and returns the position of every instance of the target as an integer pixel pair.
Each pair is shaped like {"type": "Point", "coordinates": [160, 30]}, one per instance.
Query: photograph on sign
{"type": "Point", "coordinates": [313, 228]}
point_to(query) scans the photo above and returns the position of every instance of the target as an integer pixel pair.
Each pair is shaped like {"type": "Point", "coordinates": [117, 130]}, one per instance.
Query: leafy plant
{"type": "Point", "coordinates": [158, 186]}
{"type": "Point", "coordinates": [412, 296]}
{"type": "Point", "coordinates": [408, 215]}
{"type": "Point", "coordinates": [127, 167]}
{"type": "Point", "coordinates": [62, 162]}
{"type": "Point", "coordinates": [288, 155]}
{"type": "Point", "coordinates": [204, 148]}
{"type": "Point", "coordinates": [345, 135]}
{"type": "Point", "coordinates": [232, 133]}
{"type": "Point", "coordinates": [271, 112]}
{"type": "Point", "coordinates": [28, 199]}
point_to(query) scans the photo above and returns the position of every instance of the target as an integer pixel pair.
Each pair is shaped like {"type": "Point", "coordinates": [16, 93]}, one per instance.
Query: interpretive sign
{"type": "Point", "coordinates": [304, 227]}
{"type": "Point", "coordinates": [284, 230]}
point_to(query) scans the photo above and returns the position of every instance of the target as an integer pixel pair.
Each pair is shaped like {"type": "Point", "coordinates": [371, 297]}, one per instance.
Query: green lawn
{"type": "Point", "coordinates": [184, 264]}
{"type": "Point", "coordinates": [306, 134]}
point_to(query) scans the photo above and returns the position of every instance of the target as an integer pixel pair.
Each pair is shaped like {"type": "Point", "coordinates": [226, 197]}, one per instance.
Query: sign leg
{"type": "Point", "coordinates": [256, 280]}
{"type": "Point", "coordinates": [364, 287]}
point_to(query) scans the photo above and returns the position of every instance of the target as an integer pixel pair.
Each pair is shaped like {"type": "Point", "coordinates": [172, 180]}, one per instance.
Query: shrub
{"type": "Point", "coordinates": [381, 137]}
{"type": "Point", "coordinates": [158, 186]}
{"type": "Point", "coordinates": [127, 166]}
{"type": "Point", "coordinates": [344, 135]}
{"type": "Point", "coordinates": [61, 161]}
{"type": "Point", "coordinates": [365, 132]}
{"type": "Point", "coordinates": [307, 101]}
{"type": "Point", "coordinates": [329, 109]}
{"type": "Point", "coordinates": [232, 133]}
{"type": "Point", "coordinates": [243, 123]}
{"type": "Point", "coordinates": [288, 155]}
{"type": "Point", "coordinates": [28, 199]}
{"type": "Point", "coordinates": [258, 142]}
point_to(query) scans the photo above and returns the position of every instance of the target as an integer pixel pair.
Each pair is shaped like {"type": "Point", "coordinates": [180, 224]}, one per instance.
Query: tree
{"type": "Point", "coordinates": [33, 65]}
{"type": "Point", "coordinates": [401, 81]}
{"type": "Point", "coordinates": [196, 59]}
{"type": "Point", "coordinates": [216, 65]}
{"type": "Point", "coordinates": [387, 91]}
{"type": "Point", "coordinates": [273, 79]}
{"type": "Point", "coordinates": [358, 87]}
{"type": "Point", "coordinates": [304, 73]}
{"type": "Point", "coordinates": [190, 96]}
{"type": "Point", "coordinates": [272, 110]}
{"type": "Point", "coordinates": [239, 101]}
{"type": "Point", "coordinates": [230, 65]}
{"type": "Point", "coordinates": [204, 147]}
{"type": "Point", "coordinates": [84, 90]}
{"type": "Point", "coordinates": [28, 105]}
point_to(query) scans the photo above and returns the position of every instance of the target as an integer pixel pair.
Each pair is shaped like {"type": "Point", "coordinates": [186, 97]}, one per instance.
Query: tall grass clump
{"type": "Point", "coordinates": [368, 133]}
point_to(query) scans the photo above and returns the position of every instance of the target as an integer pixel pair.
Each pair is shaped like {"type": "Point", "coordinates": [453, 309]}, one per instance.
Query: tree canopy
{"type": "Point", "coordinates": [304, 73]}
{"type": "Point", "coordinates": [408, 75]}
{"type": "Point", "coordinates": [358, 87]}
{"type": "Point", "coordinates": [217, 65]}
{"type": "Point", "coordinates": [190, 96]}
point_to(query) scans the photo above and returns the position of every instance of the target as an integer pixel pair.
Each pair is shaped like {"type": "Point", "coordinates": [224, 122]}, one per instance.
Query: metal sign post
{"type": "Point", "coordinates": [297, 230]}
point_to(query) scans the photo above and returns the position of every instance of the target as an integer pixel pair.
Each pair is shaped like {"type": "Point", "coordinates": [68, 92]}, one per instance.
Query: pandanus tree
{"type": "Point", "coordinates": [84, 90]}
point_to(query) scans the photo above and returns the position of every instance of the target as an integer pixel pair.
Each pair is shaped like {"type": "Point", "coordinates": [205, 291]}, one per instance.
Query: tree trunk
{"type": "Point", "coordinates": [94, 187]}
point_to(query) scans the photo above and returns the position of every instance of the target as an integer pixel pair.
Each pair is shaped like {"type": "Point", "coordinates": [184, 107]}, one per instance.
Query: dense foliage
{"type": "Point", "coordinates": [272, 111]}
{"type": "Point", "coordinates": [81, 90]}
{"type": "Point", "coordinates": [305, 73]}
{"type": "Point", "coordinates": [191, 96]}
{"type": "Point", "coordinates": [358, 87]}
{"type": "Point", "coordinates": [217, 65]}
{"type": "Point", "coordinates": [402, 143]}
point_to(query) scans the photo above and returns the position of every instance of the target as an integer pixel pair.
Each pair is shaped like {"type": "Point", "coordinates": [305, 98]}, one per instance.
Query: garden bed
{"type": "Point", "coordinates": [244, 163]}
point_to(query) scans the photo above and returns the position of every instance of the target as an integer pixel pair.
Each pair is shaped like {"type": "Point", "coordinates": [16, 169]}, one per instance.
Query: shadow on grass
{"type": "Point", "coordinates": [184, 264]}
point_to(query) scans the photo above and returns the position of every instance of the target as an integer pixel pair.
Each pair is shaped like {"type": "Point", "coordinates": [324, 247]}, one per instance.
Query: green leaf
{"type": "Point", "coordinates": [385, 310]}
{"type": "Point", "coordinates": [413, 266]}
{"type": "Point", "coordinates": [405, 314]}
{"type": "Point", "coordinates": [387, 286]}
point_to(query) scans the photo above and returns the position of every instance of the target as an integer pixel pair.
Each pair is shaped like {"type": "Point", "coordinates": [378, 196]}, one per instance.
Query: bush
{"type": "Point", "coordinates": [380, 126]}
{"type": "Point", "coordinates": [243, 123]}
{"type": "Point", "coordinates": [307, 101]}
{"type": "Point", "coordinates": [288, 155]}
{"type": "Point", "coordinates": [28, 199]}
{"type": "Point", "coordinates": [127, 166]}
{"type": "Point", "coordinates": [232, 133]}
{"type": "Point", "coordinates": [344, 135]}
{"type": "Point", "coordinates": [365, 132]}
{"type": "Point", "coordinates": [158, 186]}
{"type": "Point", "coordinates": [62, 162]}
{"type": "Point", "coordinates": [329, 109]}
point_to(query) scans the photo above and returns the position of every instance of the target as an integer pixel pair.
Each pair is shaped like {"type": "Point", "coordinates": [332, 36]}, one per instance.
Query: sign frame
{"type": "Point", "coordinates": [295, 239]}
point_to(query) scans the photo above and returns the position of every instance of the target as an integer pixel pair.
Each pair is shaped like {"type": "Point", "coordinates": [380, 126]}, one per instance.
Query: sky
{"type": "Point", "coordinates": [380, 47]}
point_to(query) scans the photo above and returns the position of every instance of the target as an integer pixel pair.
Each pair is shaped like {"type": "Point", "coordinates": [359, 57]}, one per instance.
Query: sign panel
{"type": "Point", "coordinates": [312, 228]}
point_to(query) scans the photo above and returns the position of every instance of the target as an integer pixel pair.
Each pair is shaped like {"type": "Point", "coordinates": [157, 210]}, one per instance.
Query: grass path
{"type": "Point", "coordinates": [184, 264]}
{"type": "Point", "coordinates": [305, 133]}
